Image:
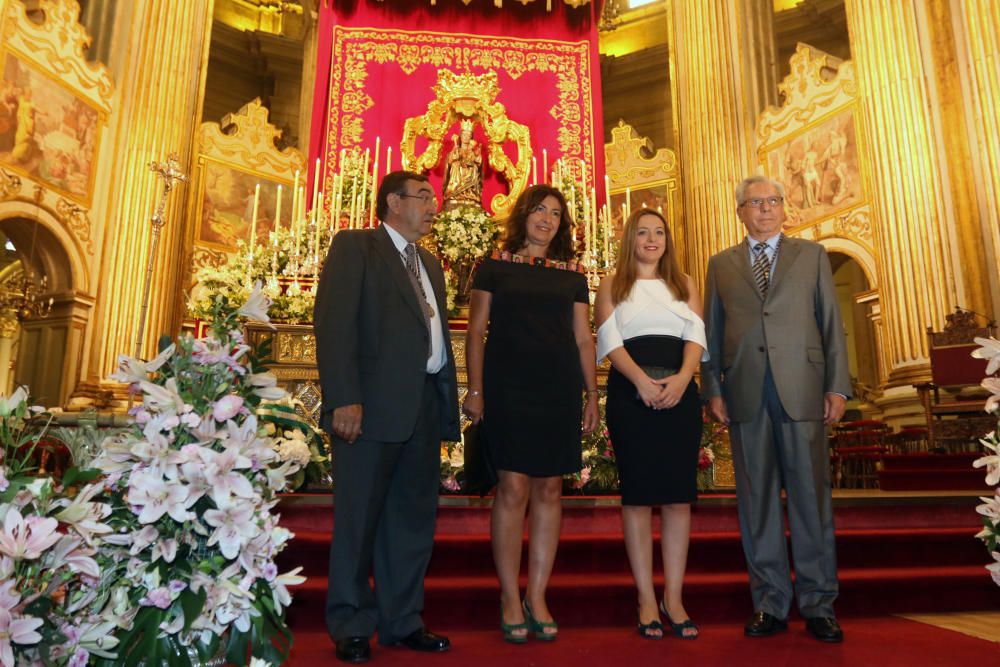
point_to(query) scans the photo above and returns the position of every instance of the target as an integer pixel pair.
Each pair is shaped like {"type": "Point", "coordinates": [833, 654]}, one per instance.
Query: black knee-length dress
{"type": "Point", "coordinates": [532, 377]}
{"type": "Point", "coordinates": [656, 450]}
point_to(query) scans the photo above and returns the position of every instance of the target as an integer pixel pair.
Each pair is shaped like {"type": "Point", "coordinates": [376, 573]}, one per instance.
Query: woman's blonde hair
{"type": "Point", "coordinates": [627, 270]}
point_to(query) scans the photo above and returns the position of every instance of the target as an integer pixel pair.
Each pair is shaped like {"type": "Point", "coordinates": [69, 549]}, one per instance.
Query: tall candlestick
{"type": "Point", "coordinates": [583, 175]}
{"type": "Point", "coordinates": [315, 183]}
{"type": "Point", "coordinates": [295, 197]}
{"type": "Point", "coordinates": [572, 202]}
{"type": "Point", "coordinates": [253, 220]}
{"type": "Point", "coordinates": [371, 207]}
{"type": "Point", "coordinates": [354, 197]}
{"type": "Point", "coordinates": [534, 171]}
{"type": "Point", "coordinates": [362, 221]}
{"type": "Point", "coordinates": [545, 165]}
{"type": "Point", "coordinates": [607, 190]}
{"type": "Point", "coordinates": [607, 239]}
{"type": "Point", "coordinates": [388, 159]}
{"type": "Point", "coordinates": [277, 216]}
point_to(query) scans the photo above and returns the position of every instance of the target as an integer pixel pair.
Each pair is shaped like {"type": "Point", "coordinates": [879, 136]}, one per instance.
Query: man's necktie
{"type": "Point", "coordinates": [413, 271]}
{"type": "Point", "coordinates": [761, 267]}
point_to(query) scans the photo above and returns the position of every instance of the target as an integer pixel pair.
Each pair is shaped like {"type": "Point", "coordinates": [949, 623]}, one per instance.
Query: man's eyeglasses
{"type": "Point", "coordinates": [425, 198]}
{"type": "Point", "coordinates": [771, 201]}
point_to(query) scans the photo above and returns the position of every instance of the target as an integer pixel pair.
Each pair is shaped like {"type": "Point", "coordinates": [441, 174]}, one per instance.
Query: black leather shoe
{"type": "Point", "coordinates": [354, 650]}
{"type": "Point", "coordinates": [825, 629]}
{"type": "Point", "coordinates": [422, 640]}
{"type": "Point", "coordinates": [762, 624]}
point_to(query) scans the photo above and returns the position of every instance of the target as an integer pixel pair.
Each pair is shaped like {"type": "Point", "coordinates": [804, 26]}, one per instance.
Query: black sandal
{"type": "Point", "coordinates": [646, 630]}
{"type": "Point", "coordinates": [679, 628]}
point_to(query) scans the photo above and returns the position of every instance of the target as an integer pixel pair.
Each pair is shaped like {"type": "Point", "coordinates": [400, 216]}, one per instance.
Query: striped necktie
{"type": "Point", "coordinates": [761, 267]}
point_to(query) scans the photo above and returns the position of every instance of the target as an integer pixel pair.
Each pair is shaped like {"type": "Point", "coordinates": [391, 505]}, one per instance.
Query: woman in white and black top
{"type": "Point", "coordinates": [650, 328]}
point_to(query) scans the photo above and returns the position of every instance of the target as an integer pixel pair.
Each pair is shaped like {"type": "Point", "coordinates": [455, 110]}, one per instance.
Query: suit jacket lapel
{"type": "Point", "coordinates": [739, 256]}
{"type": "Point", "coordinates": [787, 253]}
{"type": "Point", "coordinates": [386, 248]}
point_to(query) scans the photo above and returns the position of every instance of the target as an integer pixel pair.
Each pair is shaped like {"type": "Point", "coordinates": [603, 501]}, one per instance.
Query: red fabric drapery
{"type": "Point", "coordinates": [377, 62]}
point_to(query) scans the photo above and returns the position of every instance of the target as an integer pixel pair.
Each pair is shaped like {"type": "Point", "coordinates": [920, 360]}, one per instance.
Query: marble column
{"type": "Point", "coordinates": [921, 274]}
{"type": "Point", "coordinates": [158, 111]}
{"type": "Point", "coordinates": [716, 141]}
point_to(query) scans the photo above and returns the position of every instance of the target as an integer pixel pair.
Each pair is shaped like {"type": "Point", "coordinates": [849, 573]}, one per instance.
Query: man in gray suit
{"type": "Point", "coordinates": [778, 376]}
{"type": "Point", "coordinates": [387, 375]}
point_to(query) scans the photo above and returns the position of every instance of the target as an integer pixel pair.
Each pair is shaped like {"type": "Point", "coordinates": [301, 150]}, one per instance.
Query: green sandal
{"type": "Point", "coordinates": [508, 630]}
{"type": "Point", "coordinates": [539, 627]}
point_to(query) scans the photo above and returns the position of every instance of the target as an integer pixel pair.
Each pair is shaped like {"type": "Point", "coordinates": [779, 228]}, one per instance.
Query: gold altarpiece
{"type": "Point", "coordinates": [50, 184]}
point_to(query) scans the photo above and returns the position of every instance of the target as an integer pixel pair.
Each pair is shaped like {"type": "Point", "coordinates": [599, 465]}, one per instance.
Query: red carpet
{"type": "Point", "coordinates": [931, 472]}
{"type": "Point", "coordinates": [885, 641]}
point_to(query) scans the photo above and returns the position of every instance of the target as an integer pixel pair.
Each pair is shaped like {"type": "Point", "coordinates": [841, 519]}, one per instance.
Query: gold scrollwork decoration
{"type": "Point", "coordinates": [473, 97]}
{"type": "Point", "coordinates": [10, 184]}
{"type": "Point", "coordinates": [58, 44]}
{"type": "Point", "coordinates": [856, 223]}
{"type": "Point", "coordinates": [626, 164]}
{"type": "Point", "coordinates": [76, 219]}
{"type": "Point", "coordinates": [247, 138]}
{"type": "Point", "coordinates": [204, 256]}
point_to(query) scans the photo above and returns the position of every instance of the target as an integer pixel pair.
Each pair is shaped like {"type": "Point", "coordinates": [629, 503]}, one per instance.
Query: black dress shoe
{"type": "Point", "coordinates": [354, 650]}
{"type": "Point", "coordinates": [825, 629]}
{"type": "Point", "coordinates": [762, 624]}
{"type": "Point", "coordinates": [422, 640]}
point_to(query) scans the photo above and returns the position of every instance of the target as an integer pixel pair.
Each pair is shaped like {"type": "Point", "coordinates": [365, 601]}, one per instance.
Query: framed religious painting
{"type": "Point", "coordinates": [819, 167]}
{"type": "Point", "coordinates": [47, 131]}
{"type": "Point", "coordinates": [226, 197]}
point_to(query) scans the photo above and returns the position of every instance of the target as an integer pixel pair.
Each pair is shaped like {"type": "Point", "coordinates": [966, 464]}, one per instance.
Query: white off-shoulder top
{"type": "Point", "coordinates": [651, 309]}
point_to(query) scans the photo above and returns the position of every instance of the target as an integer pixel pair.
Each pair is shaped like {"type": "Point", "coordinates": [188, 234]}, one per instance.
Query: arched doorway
{"type": "Point", "coordinates": [854, 295]}
{"type": "Point", "coordinates": [43, 344]}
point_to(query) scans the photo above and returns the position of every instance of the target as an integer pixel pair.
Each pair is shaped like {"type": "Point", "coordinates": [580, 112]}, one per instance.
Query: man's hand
{"type": "Point", "coordinates": [717, 407]}
{"type": "Point", "coordinates": [833, 408]}
{"type": "Point", "coordinates": [347, 422]}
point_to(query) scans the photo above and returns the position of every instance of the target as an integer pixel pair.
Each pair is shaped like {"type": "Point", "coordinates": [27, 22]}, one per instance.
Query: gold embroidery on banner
{"type": "Point", "coordinates": [354, 48]}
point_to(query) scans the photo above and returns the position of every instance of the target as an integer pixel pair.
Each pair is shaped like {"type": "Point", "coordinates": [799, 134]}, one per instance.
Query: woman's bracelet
{"type": "Point", "coordinates": [473, 392]}
{"type": "Point", "coordinates": [588, 392]}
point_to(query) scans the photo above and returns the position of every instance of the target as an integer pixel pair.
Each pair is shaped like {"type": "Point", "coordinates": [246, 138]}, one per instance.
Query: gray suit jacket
{"type": "Point", "coordinates": [371, 339]}
{"type": "Point", "coordinates": [797, 330]}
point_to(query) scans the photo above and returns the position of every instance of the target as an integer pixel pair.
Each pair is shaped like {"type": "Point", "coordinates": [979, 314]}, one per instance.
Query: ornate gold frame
{"type": "Point", "coordinates": [244, 142]}
{"type": "Point", "coordinates": [814, 97]}
{"type": "Point", "coordinates": [459, 96]}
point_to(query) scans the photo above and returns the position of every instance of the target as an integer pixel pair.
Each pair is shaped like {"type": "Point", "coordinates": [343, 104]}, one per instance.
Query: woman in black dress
{"type": "Point", "coordinates": [525, 383]}
{"type": "Point", "coordinates": [650, 328]}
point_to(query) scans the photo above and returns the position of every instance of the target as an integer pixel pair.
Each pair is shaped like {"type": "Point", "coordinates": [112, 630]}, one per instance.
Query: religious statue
{"type": "Point", "coordinates": [463, 175]}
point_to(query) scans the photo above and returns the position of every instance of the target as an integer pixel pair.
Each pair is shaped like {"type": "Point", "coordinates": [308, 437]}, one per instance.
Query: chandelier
{"type": "Point", "coordinates": [609, 16]}
{"type": "Point", "coordinates": [25, 300]}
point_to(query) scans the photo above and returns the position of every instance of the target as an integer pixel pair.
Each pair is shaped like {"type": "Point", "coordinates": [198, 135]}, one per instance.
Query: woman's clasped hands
{"type": "Point", "coordinates": [664, 393]}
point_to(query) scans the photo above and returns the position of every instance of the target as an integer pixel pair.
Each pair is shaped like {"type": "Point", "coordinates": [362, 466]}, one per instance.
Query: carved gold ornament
{"type": "Point", "coordinates": [468, 97]}
{"type": "Point", "coordinates": [548, 3]}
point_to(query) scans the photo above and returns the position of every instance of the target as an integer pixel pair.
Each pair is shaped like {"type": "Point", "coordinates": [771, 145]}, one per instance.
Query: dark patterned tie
{"type": "Point", "coordinates": [413, 271]}
{"type": "Point", "coordinates": [761, 267]}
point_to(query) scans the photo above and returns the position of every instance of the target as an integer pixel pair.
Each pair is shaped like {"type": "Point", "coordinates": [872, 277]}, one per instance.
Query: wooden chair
{"type": "Point", "coordinates": [857, 451]}
{"type": "Point", "coordinates": [953, 400]}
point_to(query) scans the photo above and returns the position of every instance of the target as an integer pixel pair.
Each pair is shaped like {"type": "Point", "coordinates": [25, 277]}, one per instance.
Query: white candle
{"type": "Point", "coordinates": [545, 165]}
{"type": "Point", "coordinates": [277, 216]}
{"type": "Point", "coordinates": [607, 190]}
{"type": "Point", "coordinates": [354, 198]}
{"type": "Point", "coordinates": [583, 175]}
{"type": "Point", "coordinates": [371, 208]}
{"type": "Point", "coordinates": [628, 203]}
{"type": "Point", "coordinates": [364, 188]}
{"type": "Point", "coordinates": [315, 184]}
{"type": "Point", "coordinates": [534, 171]}
{"type": "Point", "coordinates": [388, 160]}
{"type": "Point", "coordinates": [253, 220]}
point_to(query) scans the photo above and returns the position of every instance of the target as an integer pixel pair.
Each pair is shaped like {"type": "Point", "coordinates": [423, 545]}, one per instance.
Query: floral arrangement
{"type": "Point", "coordinates": [189, 566]}
{"type": "Point", "coordinates": [990, 509]}
{"type": "Point", "coordinates": [280, 265]}
{"type": "Point", "coordinates": [50, 610]}
{"type": "Point", "coordinates": [465, 234]}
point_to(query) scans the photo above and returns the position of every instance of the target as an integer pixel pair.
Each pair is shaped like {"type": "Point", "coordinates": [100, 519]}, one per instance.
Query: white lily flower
{"type": "Point", "coordinates": [989, 349]}
{"type": "Point", "coordinates": [10, 403]}
{"type": "Point", "coordinates": [131, 371]}
{"type": "Point", "coordinates": [266, 386]}
{"type": "Point", "coordinates": [279, 590]}
{"type": "Point", "coordinates": [256, 306]}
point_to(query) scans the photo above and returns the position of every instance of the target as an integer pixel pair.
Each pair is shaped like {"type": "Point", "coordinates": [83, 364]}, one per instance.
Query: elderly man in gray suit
{"type": "Point", "coordinates": [778, 376]}
{"type": "Point", "coordinates": [389, 397]}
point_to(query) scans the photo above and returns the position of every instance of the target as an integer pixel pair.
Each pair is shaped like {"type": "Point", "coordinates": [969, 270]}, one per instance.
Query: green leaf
{"type": "Point", "coordinates": [192, 603]}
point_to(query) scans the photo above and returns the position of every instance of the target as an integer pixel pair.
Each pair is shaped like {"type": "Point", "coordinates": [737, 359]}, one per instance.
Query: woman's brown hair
{"type": "Point", "coordinates": [626, 271]}
{"type": "Point", "coordinates": [516, 236]}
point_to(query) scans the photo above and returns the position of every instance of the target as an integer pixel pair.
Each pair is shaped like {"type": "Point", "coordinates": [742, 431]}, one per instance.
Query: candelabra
{"type": "Point", "coordinates": [25, 301]}
{"type": "Point", "coordinates": [609, 16]}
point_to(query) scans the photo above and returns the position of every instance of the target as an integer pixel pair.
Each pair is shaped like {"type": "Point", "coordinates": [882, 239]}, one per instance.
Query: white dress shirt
{"type": "Point", "coordinates": [438, 357]}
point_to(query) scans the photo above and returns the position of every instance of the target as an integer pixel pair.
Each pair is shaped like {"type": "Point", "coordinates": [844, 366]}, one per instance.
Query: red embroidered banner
{"type": "Point", "coordinates": [378, 63]}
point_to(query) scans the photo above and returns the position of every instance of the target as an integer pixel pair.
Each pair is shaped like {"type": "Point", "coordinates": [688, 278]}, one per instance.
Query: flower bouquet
{"type": "Point", "coordinates": [990, 509]}
{"type": "Point", "coordinates": [189, 565]}
{"type": "Point", "coordinates": [51, 612]}
{"type": "Point", "coordinates": [464, 235]}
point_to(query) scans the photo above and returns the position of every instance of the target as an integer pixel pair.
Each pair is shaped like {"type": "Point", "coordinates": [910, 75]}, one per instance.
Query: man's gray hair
{"type": "Point", "coordinates": [750, 180]}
